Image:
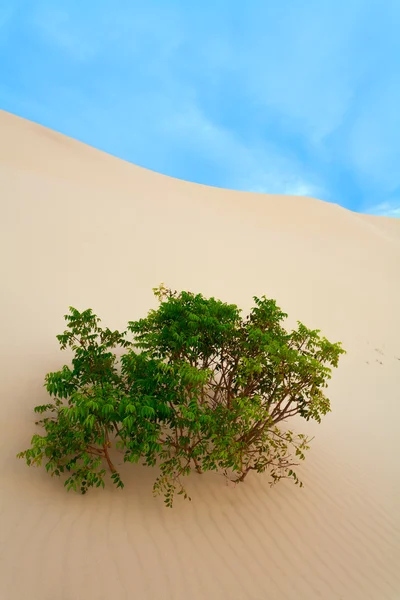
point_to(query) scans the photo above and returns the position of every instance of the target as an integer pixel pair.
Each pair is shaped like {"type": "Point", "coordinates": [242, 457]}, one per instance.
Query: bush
{"type": "Point", "coordinates": [198, 387]}
{"type": "Point", "coordinates": [86, 407]}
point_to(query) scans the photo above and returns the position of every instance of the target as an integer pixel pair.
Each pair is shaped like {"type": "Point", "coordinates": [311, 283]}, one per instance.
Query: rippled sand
{"type": "Point", "coordinates": [79, 227]}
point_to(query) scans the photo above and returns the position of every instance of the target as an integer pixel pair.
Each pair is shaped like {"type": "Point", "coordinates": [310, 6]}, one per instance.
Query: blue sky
{"type": "Point", "coordinates": [296, 97]}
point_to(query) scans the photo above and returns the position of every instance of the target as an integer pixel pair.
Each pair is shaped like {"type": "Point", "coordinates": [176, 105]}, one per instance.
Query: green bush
{"type": "Point", "coordinates": [86, 408]}
{"type": "Point", "coordinates": [198, 387]}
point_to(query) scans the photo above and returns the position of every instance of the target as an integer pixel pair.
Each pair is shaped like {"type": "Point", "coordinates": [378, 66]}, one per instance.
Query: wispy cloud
{"type": "Point", "coordinates": [386, 209]}
{"type": "Point", "coordinates": [243, 164]}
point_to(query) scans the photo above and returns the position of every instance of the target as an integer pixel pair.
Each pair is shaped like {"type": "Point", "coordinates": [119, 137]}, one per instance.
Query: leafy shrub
{"type": "Point", "coordinates": [86, 408]}
{"type": "Point", "coordinates": [199, 387]}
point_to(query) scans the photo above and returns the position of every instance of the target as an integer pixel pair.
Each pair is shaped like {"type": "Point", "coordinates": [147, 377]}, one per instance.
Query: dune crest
{"type": "Point", "coordinates": [82, 228]}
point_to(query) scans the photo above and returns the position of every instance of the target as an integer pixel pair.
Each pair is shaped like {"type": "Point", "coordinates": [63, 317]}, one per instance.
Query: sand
{"type": "Point", "coordinates": [79, 227]}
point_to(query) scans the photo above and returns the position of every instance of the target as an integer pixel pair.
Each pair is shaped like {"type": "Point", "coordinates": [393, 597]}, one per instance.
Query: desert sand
{"type": "Point", "coordinates": [82, 228]}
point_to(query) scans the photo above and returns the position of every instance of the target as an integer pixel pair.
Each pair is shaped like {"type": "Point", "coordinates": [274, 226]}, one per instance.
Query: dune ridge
{"type": "Point", "coordinates": [80, 227]}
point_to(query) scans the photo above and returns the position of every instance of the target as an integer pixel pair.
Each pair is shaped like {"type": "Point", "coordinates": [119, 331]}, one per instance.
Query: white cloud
{"type": "Point", "coordinates": [303, 188]}
{"type": "Point", "coordinates": [251, 166]}
{"type": "Point", "coordinates": [389, 208]}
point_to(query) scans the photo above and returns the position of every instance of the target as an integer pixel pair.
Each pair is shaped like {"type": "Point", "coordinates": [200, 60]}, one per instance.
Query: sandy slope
{"type": "Point", "coordinates": [79, 227]}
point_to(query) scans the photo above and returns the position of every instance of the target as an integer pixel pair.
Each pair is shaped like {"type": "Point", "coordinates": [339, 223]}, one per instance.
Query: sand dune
{"type": "Point", "coordinates": [81, 228]}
